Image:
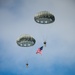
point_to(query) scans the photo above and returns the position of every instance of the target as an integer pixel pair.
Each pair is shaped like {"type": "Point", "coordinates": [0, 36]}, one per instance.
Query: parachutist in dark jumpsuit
{"type": "Point", "coordinates": [45, 43]}
{"type": "Point", "coordinates": [27, 65]}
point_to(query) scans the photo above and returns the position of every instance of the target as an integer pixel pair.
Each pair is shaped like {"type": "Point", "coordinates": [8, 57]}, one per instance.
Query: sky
{"type": "Point", "coordinates": [17, 18]}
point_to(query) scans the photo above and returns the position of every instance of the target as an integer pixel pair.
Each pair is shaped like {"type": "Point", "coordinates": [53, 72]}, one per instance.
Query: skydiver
{"type": "Point", "coordinates": [45, 43]}
{"type": "Point", "coordinates": [27, 65]}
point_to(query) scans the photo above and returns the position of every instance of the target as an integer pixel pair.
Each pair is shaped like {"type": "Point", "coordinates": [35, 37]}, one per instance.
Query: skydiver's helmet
{"type": "Point", "coordinates": [45, 43]}
{"type": "Point", "coordinates": [27, 65]}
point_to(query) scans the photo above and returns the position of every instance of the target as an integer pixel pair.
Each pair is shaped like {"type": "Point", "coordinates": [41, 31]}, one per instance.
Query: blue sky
{"type": "Point", "coordinates": [17, 18]}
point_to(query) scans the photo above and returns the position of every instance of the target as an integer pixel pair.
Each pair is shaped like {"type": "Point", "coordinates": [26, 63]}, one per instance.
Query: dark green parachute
{"type": "Point", "coordinates": [44, 17]}
{"type": "Point", "coordinates": [26, 40]}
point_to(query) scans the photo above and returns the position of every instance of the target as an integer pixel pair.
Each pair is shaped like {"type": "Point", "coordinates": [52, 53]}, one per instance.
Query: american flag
{"type": "Point", "coordinates": [39, 50]}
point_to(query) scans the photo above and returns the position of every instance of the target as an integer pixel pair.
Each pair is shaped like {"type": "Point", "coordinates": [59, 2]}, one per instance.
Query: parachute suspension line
{"type": "Point", "coordinates": [42, 32]}
{"type": "Point", "coordinates": [47, 32]}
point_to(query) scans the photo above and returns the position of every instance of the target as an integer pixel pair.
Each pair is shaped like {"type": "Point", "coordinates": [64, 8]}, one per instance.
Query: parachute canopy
{"type": "Point", "coordinates": [26, 41]}
{"type": "Point", "coordinates": [44, 17]}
